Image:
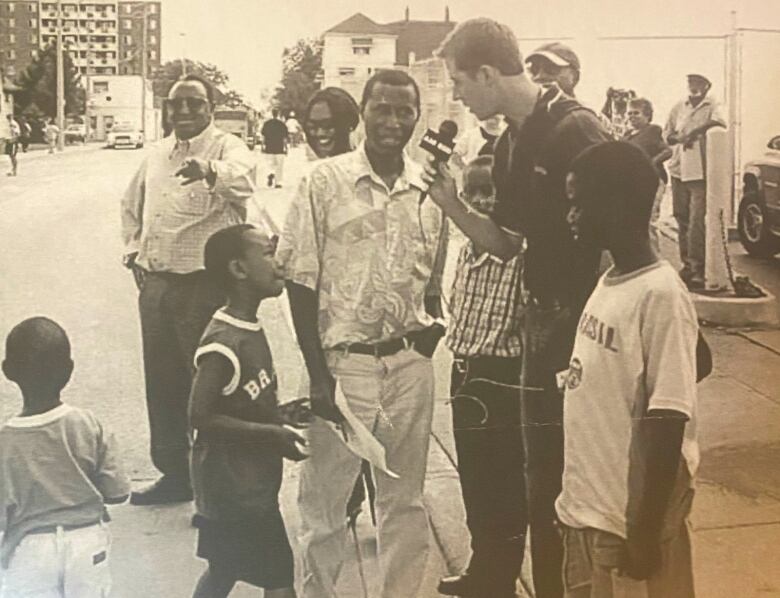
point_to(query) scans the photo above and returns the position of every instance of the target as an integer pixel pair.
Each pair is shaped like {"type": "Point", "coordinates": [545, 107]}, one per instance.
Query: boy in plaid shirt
{"type": "Point", "coordinates": [484, 335]}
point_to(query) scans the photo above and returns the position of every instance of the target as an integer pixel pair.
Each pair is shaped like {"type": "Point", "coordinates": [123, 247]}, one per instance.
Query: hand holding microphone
{"type": "Point", "coordinates": [441, 184]}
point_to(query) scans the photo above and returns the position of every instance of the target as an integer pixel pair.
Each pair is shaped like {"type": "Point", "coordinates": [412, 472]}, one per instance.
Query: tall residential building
{"type": "Point", "coordinates": [103, 37]}
{"type": "Point", "coordinates": [132, 33]}
{"type": "Point", "coordinates": [19, 35]}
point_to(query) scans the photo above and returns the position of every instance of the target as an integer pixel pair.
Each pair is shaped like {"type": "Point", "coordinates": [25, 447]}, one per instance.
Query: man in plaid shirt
{"type": "Point", "coordinates": [485, 339]}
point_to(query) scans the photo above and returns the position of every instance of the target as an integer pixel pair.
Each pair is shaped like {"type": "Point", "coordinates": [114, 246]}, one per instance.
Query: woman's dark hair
{"type": "Point", "coordinates": [345, 112]}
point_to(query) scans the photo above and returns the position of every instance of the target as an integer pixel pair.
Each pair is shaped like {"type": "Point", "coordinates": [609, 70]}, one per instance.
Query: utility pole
{"type": "Point", "coordinates": [144, 54]}
{"type": "Point", "coordinates": [183, 52]}
{"type": "Point", "coordinates": [60, 81]}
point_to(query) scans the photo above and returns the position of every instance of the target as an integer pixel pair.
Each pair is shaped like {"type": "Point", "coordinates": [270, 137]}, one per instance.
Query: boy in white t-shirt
{"type": "Point", "coordinates": [630, 402]}
{"type": "Point", "coordinates": [58, 470]}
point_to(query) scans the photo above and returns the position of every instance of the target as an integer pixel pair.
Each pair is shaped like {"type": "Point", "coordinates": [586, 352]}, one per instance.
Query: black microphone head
{"type": "Point", "coordinates": [448, 130]}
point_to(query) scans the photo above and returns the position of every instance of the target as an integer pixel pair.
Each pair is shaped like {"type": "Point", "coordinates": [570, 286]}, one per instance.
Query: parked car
{"type": "Point", "coordinates": [125, 135]}
{"type": "Point", "coordinates": [758, 219]}
{"type": "Point", "coordinates": [76, 133]}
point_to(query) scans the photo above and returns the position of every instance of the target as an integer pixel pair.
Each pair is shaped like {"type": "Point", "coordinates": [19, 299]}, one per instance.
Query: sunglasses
{"type": "Point", "coordinates": [193, 104]}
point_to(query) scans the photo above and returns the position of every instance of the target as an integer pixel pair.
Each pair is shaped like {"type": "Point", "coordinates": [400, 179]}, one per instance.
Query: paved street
{"type": "Point", "coordinates": [60, 256]}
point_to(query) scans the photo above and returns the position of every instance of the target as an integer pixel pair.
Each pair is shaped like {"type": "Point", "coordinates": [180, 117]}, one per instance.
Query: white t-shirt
{"type": "Point", "coordinates": [635, 350]}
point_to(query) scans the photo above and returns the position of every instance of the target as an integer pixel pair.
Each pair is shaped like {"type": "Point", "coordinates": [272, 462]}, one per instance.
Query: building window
{"type": "Point", "coordinates": [11, 6]}
{"type": "Point", "coordinates": [346, 72]}
{"type": "Point", "coordinates": [152, 9]}
{"type": "Point", "coordinates": [12, 54]}
{"type": "Point", "coordinates": [10, 70]}
{"type": "Point", "coordinates": [33, 53]}
{"type": "Point", "coordinates": [128, 9]}
{"type": "Point", "coordinates": [152, 24]}
{"type": "Point", "coordinates": [361, 51]}
{"type": "Point", "coordinates": [129, 39]}
{"type": "Point", "coordinates": [127, 24]}
{"type": "Point", "coordinates": [32, 23]}
{"type": "Point", "coordinates": [100, 87]}
{"type": "Point", "coordinates": [32, 7]}
{"type": "Point", "coordinates": [11, 23]}
{"type": "Point", "coordinates": [33, 38]}
{"type": "Point", "coordinates": [12, 38]}
{"type": "Point", "coordinates": [152, 39]}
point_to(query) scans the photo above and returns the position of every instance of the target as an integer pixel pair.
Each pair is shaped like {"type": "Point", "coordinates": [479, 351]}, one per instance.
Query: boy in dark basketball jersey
{"type": "Point", "coordinates": [240, 436]}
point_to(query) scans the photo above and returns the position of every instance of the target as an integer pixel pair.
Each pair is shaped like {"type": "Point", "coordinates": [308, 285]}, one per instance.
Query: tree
{"type": "Point", "coordinates": [301, 71]}
{"type": "Point", "coordinates": [170, 72]}
{"type": "Point", "coordinates": [38, 86]}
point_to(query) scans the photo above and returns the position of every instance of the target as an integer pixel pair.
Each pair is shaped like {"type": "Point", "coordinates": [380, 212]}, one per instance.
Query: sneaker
{"type": "Point", "coordinates": [166, 490]}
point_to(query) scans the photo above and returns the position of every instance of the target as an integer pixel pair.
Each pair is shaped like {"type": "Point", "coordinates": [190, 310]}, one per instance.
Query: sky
{"type": "Point", "coordinates": [245, 38]}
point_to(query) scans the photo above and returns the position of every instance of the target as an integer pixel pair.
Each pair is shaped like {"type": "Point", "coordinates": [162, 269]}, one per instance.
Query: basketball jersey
{"type": "Point", "coordinates": [238, 480]}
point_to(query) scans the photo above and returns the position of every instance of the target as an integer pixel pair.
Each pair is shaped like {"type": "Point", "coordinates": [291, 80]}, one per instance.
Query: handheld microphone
{"type": "Point", "coordinates": [439, 144]}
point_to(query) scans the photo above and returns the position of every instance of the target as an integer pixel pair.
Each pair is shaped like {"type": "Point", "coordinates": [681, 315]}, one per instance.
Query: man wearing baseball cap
{"type": "Point", "coordinates": [554, 63]}
{"type": "Point", "coordinates": [686, 131]}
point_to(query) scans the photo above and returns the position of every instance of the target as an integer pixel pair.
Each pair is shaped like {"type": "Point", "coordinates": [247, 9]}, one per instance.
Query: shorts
{"type": "Point", "coordinates": [65, 563]}
{"type": "Point", "coordinates": [11, 148]}
{"type": "Point", "coordinates": [257, 553]}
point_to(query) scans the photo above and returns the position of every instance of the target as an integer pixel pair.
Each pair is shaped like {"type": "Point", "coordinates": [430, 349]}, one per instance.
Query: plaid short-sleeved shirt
{"type": "Point", "coordinates": [485, 305]}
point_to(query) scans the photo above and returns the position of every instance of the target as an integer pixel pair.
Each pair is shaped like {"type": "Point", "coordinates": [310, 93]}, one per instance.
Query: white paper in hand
{"type": "Point", "coordinates": [357, 438]}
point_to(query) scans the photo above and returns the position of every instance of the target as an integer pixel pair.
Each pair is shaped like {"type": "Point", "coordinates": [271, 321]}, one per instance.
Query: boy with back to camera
{"type": "Point", "coordinates": [485, 338]}
{"type": "Point", "coordinates": [240, 436]}
{"type": "Point", "coordinates": [58, 470]}
{"type": "Point", "coordinates": [630, 398]}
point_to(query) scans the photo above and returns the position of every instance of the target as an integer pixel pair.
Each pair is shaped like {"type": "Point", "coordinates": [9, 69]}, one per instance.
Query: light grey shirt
{"type": "Point", "coordinates": [56, 468]}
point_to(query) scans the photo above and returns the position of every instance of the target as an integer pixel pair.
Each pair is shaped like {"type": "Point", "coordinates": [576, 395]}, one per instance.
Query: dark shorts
{"type": "Point", "coordinates": [11, 147]}
{"type": "Point", "coordinates": [257, 553]}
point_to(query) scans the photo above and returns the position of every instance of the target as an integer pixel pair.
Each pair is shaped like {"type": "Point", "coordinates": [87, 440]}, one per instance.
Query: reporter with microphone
{"type": "Point", "coordinates": [546, 130]}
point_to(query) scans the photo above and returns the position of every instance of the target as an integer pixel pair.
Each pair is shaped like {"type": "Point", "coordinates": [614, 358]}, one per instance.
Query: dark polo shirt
{"type": "Point", "coordinates": [531, 163]}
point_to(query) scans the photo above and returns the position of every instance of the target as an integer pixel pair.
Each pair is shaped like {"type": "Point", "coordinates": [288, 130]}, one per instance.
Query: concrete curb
{"type": "Point", "coordinates": [737, 311]}
{"type": "Point", "coordinates": [727, 310]}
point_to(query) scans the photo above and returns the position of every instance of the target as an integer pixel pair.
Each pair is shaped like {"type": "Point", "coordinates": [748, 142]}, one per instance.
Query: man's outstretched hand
{"type": "Point", "coordinates": [195, 169]}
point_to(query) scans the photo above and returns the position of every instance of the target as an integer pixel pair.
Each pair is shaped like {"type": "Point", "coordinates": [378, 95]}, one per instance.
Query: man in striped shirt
{"type": "Point", "coordinates": [485, 339]}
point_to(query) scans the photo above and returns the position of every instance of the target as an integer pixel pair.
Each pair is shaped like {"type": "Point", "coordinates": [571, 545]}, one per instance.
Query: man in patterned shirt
{"type": "Point", "coordinates": [361, 255]}
{"type": "Point", "coordinates": [191, 185]}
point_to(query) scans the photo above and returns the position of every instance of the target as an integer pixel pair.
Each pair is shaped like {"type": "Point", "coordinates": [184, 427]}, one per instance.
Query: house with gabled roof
{"type": "Point", "coordinates": [358, 46]}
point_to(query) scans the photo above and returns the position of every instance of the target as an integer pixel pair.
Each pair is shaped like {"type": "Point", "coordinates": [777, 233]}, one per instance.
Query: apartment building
{"type": "Point", "coordinates": [103, 37]}
{"type": "Point", "coordinates": [19, 35]}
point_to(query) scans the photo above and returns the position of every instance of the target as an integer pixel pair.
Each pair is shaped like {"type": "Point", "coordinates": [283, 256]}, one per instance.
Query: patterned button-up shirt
{"type": "Point", "coordinates": [371, 253]}
{"type": "Point", "coordinates": [168, 223]}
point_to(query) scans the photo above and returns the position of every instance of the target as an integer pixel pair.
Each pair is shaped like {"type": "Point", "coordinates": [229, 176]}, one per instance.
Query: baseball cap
{"type": "Point", "coordinates": [699, 76]}
{"type": "Point", "coordinates": [557, 53]}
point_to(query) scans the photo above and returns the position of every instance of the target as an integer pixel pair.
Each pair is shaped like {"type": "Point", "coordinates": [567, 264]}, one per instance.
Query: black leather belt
{"type": "Point", "coordinates": [51, 529]}
{"type": "Point", "coordinates": [382, 348]}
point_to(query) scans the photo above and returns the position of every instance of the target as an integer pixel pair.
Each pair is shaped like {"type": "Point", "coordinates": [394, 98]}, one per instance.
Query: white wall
{"type": "Point", "coordinates": [337, 53]}
{"type": "Point", "coordinates": [123, 102]}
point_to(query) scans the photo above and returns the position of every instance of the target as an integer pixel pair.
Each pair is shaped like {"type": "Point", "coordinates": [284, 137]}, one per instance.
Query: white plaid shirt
{"type": "Point", "coordinates": [485, 306]}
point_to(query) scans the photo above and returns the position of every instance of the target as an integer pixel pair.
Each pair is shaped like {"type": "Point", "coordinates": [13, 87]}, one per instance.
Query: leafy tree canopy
{"type": "Point", "coordinates": [38, 86]}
